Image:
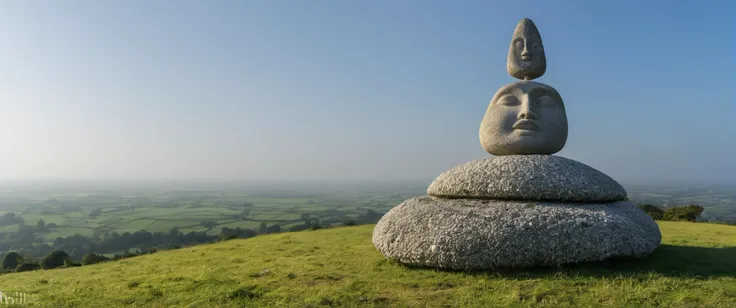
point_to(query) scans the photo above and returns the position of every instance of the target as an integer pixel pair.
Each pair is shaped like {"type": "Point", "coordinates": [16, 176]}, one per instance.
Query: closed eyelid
{"type": "Point", "coordinates": [546, 100]}
{"type": "Point", "coordinates": [513, 91]}
{"type": "Point", "coordinates": [508, 99]}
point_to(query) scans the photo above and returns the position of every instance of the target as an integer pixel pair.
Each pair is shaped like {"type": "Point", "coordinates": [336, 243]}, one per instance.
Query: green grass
{"type": "Point", "coordinates": [695, 267]}
{"type": "Point", "coordinates": [32, 220]}
{"type": "Point", "coordinates": [9, 228]}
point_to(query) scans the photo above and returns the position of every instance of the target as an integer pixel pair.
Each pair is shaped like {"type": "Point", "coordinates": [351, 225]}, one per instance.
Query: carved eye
{"type": "Point", "coordinates": [520, 44]}
{"type": "Point", "coordinates": [508, 100]}
{"type": "Point", "coordinates": [536, 45]}
{"type": "Point", "coordinates": [546, 101]}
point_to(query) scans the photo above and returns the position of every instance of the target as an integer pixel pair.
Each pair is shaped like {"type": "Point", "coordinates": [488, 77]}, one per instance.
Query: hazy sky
{"type": "Point", "coordinates": [354, 89]}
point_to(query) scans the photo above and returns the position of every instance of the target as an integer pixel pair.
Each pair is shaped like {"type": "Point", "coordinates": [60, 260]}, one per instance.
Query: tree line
{"type": "Point", "coordinates": [690, 212]}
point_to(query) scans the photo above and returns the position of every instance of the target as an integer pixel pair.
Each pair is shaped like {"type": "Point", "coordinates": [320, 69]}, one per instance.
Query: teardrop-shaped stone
{"type": "Point", "coordinates": [526, 59]}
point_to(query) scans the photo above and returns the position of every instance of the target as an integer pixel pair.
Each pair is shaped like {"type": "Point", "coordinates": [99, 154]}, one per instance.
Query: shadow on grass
{"type": "Point", "coordinates": [667, 260]}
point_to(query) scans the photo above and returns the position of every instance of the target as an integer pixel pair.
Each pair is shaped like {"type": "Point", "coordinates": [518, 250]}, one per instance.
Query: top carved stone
{"type": "Point", "coordinates": [526, 59]}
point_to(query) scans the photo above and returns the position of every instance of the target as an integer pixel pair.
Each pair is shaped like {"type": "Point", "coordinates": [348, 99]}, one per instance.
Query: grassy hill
{"type": "Point", "coordinates": [695, 267]}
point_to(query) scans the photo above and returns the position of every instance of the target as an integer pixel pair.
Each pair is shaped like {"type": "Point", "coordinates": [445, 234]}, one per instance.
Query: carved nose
{"type": "Point", "coordinates": [528, 115]}
{"type": "Point", "coordinates": [525, 52]}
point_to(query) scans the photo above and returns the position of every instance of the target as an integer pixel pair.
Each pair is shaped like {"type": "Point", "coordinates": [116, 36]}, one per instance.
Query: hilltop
{"type": "Point", "coordinates": [340, 267]}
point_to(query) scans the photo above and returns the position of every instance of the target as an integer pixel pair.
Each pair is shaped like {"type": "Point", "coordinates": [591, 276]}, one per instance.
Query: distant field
{"type": "Point", "coordinates": [70, 211]}
{"type": "Point", "coordinates": [339, 267]}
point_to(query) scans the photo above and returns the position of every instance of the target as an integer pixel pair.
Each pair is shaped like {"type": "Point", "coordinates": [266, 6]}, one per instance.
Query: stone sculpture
{"type": "Point", "coordinates": [526, 59]}
{"type": "Point", "coordinates": [523, 207]}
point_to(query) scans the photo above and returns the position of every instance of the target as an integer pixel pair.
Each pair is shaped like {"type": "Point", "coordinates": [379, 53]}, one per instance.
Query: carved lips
{"type": "Point", "coordinates": [526, 125]}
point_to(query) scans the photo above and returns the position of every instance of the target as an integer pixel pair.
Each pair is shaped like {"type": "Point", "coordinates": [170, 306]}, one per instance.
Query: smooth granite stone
{"type": "Point", "coordinates": [487, 234]}
{"type": "Point", "coordinates": [527, 177]}
{"type": "Point", "coordinates": [524, 117]}
{"type": "Point", "coordinates": [526, 58]}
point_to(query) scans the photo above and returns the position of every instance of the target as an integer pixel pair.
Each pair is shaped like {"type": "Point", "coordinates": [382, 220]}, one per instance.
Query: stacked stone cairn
{"type": "Point", "coordinates": [522, 207]}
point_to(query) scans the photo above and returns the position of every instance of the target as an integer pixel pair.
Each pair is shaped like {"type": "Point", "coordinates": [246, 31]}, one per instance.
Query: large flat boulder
{"type": "Point", "coordinates": [527, 177]}
{"type": "Point", "coordinates": [487, 234]}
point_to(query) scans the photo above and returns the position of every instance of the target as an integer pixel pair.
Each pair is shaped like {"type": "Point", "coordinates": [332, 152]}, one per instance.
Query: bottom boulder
{"type": "Point", "coordinates": [487, 234]}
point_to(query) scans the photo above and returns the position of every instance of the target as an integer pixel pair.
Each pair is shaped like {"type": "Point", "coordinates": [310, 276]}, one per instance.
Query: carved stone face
{"type": "Point", "coordinates": [524, 117]}
{"type": "Point", "coordinates": [526, 58]}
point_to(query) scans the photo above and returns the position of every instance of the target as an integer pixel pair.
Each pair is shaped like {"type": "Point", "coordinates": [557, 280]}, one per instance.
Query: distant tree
{"type": "Point", "coordinates": [683, 213]}
{"type": "Point", "coordinates": [41, 225]}
{"type": "Point", "coordinates": [310, 201]}
{"type": "Point", "coordinates": [351, 223]}
{"type": "Point", "coordinates": [25, 234]}
{"type": "Point", "coordinates": [369, 217]}
{"type": "Point", "coordinates": [307, 218]}
{"type": "Point", "coordinates": [229, 234]}
{"type": "Point", "coordinates": [652, 210]}
{"type": "Point", "coordinates": [10, 219]}
{"type": "Point", "coordinates": [209, 224]}
{"type": "Point", "coordinates": [54, 259]}
{"type": "Point", "coordinates": [12, 260]}
{"type": "Point", "coordinates": [298, 228]}
{"type": "Point", "coordinates": [95, 213]}
{"type": "Point", "coordinates": [263, 228]}
{"type": "Point", "coordinates": [28, 266]}
{"type": "Point", "coordinates": [71, 263]}
{"type": "Point", "coordinates": [273, 229]}
{"type": "Point", "coordinates": [174, 232]}
{"type": "Point", "coordinates": [247, 207]}
{"type": "Point", "coordinates": [51, 226]}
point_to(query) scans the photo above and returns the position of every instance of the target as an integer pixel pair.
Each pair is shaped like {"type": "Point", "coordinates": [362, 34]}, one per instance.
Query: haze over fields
{"type": "Point", "coordinates": [332, 91]}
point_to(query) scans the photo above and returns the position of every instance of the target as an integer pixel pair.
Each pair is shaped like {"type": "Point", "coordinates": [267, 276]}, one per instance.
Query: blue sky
{"type": "Point", "coordinates": [354, 90]}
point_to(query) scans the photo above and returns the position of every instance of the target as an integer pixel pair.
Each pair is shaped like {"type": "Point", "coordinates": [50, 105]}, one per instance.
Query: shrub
{"type": "Point", "coordinates": [12, 260]}
{"type": "Point", "coordinates": [71, 263]}
{"type": "Point", "coordinates": [92, 258]}
{"type": "Point", "coordinates": [652, 210]}
{"type": "Point", "coordinates": [54, 259]}
{"type": "Point", "coordinates": [683, 213]}
{"type": "Point", "coordinates": [28, 267]}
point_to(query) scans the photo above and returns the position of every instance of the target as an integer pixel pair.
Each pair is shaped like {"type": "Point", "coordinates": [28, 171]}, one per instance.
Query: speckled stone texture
{"type": "Point", "coordinates": [527, 177]}
{"type": "Point", "coordinates": [486, 234]}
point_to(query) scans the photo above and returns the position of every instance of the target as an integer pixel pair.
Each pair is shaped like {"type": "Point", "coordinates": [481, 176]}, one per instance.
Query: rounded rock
{"type": "Point", "coordinates": [527, 177]}
{"type": "Point", "coordinates": [465, 234]}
